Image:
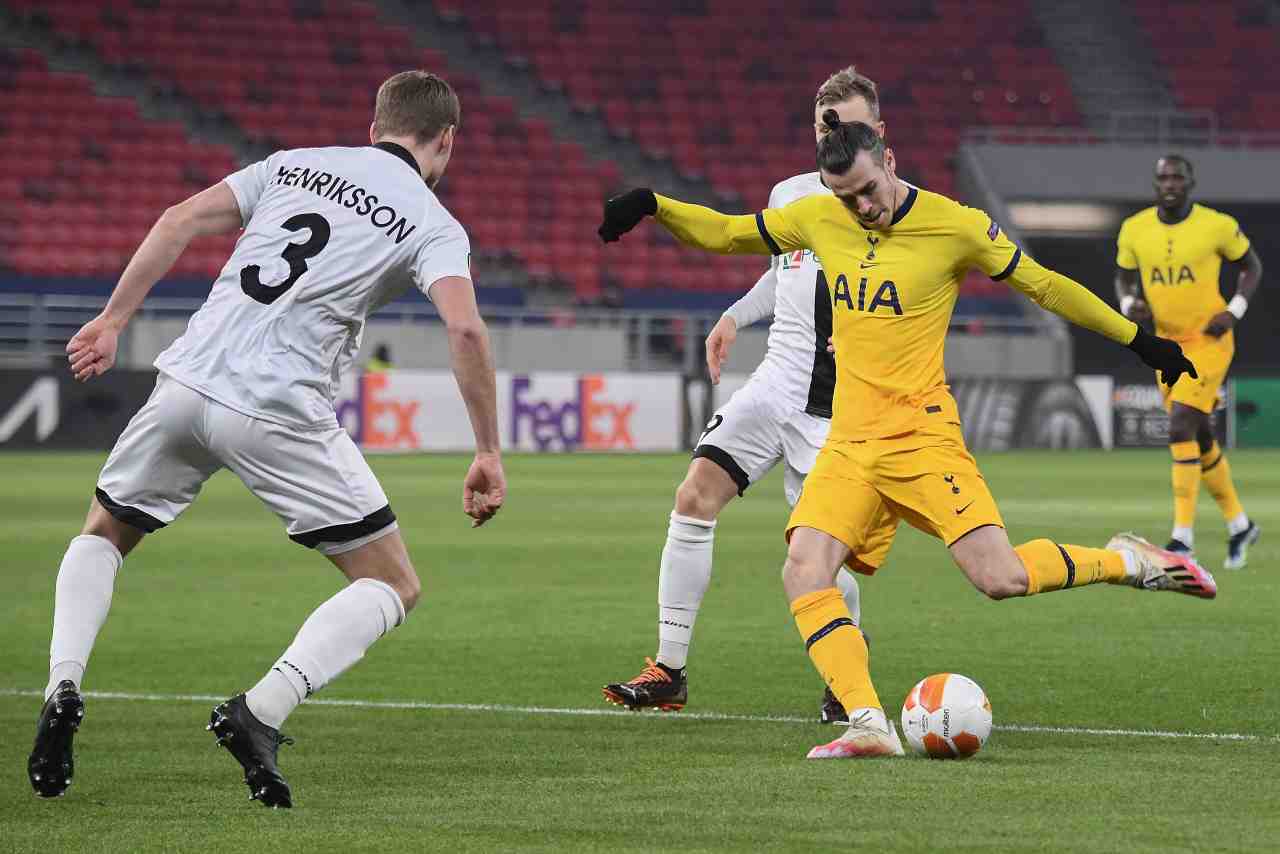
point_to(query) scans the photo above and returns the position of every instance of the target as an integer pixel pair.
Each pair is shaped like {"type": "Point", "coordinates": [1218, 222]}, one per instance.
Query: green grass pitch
{"type": "Point", "coordinates": [557, 597]}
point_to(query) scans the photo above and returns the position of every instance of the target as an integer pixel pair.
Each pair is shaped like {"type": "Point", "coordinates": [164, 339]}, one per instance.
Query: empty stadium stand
{"type": "Point", "coordinates": [82, 178]}
{"type": "Point", "coordinates": [720, 107]}
{"type": "Point", "coordinates": [705, 86]}
{"type": "Point", "coordinates": [518, 189]}
{"type": "Point", "coordinates": [1219, 56]}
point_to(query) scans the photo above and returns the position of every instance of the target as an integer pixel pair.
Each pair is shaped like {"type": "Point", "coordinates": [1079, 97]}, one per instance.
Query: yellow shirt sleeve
{"type": "Point", "coordinates": [1071, 300]}
{"type": "Point", "coordinates": [991, 251]}
{"type": "Point", "coordinates": [772, 231]}
{"type": "Point", "coordinates": [1233, 244]}
{"type": "Point", "coordinates": [704, 228]}
{"type": "Point", "coordinates": [1126, 258]}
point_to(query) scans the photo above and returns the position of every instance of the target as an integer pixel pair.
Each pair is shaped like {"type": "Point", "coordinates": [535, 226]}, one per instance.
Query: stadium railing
{"type": "Point", "coordinates": [34, 328]}
{"type": "Point", "coordinates": [1199, 128]}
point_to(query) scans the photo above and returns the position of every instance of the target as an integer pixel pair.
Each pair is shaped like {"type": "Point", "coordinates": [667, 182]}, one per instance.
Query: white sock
{"type": "Point", "coordinates": [852, 597]}
{"type": "Point", "coordinates": [334, 637]}
{"type": "Point", "coordinates": [1130, 564]}
{"type": "Point", "coordinates": [82, 598]}
{"type": "Point", "coordinates": [1238, 524]}
{"type": "Point", "coordinates": [1186, 535]}
{"type": "Point", "coordinates": [683, 577]}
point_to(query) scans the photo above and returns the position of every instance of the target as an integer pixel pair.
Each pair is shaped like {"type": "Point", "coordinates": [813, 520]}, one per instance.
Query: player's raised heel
{"type": "Point", "coordinates": [656, 687]}
{"type": "Point", "coordinates": [254, 745]}
{"type": "Point", "coordinates": [869, 735]}
{"type": "Point", "coordinates": [51, 764]}
{"type": "Point", "coordinates": [1159, 569]}
{"type": "Point", "coordinates": [1238, 546]}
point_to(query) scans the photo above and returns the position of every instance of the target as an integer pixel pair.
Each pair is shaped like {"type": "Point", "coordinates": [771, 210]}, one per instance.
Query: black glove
{"type": "Point", "coordinates": [623, 213]}
{"type": "Point", "coordinates": [1163, 355]}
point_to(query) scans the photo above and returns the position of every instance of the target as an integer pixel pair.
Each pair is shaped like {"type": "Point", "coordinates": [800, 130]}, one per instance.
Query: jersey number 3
{"type": "Point", "coordinates": [295, 253]}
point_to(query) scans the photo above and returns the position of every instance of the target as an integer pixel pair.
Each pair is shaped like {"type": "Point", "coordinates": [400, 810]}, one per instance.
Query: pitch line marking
{"type": "Point", "coordinates": [697, 716]}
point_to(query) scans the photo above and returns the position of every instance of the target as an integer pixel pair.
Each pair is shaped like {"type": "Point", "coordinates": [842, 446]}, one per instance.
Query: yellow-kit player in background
{"type": "Point", "coordinates": [1169, 257]}
{"type": "Point", "coordinates": [894, 256]}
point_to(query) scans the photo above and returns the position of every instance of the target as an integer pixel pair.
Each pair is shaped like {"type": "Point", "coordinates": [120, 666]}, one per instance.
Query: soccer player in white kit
{"type": "Point", "coordinates": [782, 414]}
{"type": "Point", "coordinates": [330, 234]}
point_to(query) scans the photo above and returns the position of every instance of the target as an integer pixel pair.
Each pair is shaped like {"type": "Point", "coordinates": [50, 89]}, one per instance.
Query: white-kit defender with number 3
{"type": "Point", "coordinates": [330, 235]}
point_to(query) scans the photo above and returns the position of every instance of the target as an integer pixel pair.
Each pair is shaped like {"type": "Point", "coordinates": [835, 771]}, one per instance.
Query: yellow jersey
{"type": "Point", "coordinates": [1179, 264]}
{"type": "Point", "coordinates": [892, 294]}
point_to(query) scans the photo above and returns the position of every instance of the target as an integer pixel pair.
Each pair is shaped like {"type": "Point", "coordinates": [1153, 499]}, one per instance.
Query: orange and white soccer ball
{"type": "Point", "coordinates": [946, 716]}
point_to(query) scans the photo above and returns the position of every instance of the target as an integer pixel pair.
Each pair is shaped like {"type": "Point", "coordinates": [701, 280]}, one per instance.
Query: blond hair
{"type": "Point", "coordinates": [848, 83]}
{"type": "Point", "coordinates": [417, 104]}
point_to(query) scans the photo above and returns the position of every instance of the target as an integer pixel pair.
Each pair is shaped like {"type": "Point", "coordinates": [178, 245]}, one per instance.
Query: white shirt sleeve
{"type": "Point", "coordinates": [446, 251]}
{"type": "Point", "coordinates": [249, 183]}
{"type": "Point", "coordinates": [757, 303]}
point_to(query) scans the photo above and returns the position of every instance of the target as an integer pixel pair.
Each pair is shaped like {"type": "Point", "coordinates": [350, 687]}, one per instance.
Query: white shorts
{"type": "Point", "coordinates": [752, 433]}
{"type": "Point", "coordinates": [316, 481]}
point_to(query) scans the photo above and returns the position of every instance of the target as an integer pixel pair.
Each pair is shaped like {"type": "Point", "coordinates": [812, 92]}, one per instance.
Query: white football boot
{"type": "Point", "coordinates": [869, 734]}
{"type": "Point", "coordinates": [1159, 569]}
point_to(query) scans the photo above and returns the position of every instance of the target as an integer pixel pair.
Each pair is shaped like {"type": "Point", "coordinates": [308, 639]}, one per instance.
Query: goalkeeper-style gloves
{"type": "Point", "coordinates": [622, 213]}
{"type": "Point", "coordinates": [1163, 355]}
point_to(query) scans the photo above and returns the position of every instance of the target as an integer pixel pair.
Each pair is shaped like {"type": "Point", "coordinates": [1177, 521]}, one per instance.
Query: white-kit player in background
{"type": "Point", "coordinates": [330, 234]}
{"type": "Point", "coordinates": [782, 414]}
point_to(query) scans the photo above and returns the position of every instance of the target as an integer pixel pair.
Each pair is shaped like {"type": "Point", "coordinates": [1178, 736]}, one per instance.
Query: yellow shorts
{"type": "Point", "coordinates": [1212, 358]}
{"type": "Point", "coordinates": [857, 492]}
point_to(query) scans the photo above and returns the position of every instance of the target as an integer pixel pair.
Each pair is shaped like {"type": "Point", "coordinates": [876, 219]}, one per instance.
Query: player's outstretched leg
{"type": "Point", "coordinates": [1042, 566]}
{"type": "Point", "coordinates": [334, 637]}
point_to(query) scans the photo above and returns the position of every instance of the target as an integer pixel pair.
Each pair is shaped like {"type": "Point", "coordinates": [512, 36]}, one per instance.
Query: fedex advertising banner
{"type": "Point", "coordinates": [398, 411]}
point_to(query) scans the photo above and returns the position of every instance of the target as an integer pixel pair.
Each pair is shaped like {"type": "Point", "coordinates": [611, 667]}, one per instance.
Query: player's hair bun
{"type": "Point", "coordinates": [831, 119]}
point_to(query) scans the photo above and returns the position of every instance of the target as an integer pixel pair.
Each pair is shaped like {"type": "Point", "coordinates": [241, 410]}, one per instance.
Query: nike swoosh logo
{"type": "Point", "coordinates": [865, 266]}
{"type": "Point", "coordinates": [966, 507]}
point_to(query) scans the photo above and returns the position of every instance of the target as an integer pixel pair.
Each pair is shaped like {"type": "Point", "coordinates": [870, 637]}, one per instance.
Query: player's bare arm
{"type": "Point", "coordinates": [92, 350]}
{"type": "Point", "coordinates": [485, 486]}
{"type": "Point", "coordinates": [719, 343]}
{"type": "Point", "coordinates": [1129, 295]}
{"type": "Point", "coordinates": [1247, 283]}
{"type": "Point", "coordinates": [755, 304]}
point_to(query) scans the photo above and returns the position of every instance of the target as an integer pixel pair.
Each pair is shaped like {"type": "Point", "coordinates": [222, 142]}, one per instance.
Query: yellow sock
{"type": "Point", "coordinates": [1054, 567]}
{"type": "Point", "coordinates": [836, 647]}
{"type": "Point", "coordinates": [1216, 473]}
{"type": "Point", "coordinates": [1186, 482]}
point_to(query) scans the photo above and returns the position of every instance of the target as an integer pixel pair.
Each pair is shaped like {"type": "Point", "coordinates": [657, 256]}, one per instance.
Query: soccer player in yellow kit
{"type": "Point", "coordinates": [1172, 252]}
{"type": "Point", "coordinates": [894, 256]}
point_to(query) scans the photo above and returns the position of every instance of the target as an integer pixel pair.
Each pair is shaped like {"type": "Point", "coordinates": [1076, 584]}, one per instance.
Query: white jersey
{"type": "Point", "coordinates": [330, 235]}
{"type": "Point", "coordinates": [796, 365]}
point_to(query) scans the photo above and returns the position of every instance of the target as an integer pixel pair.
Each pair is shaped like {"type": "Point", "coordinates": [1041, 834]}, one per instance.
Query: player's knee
{"type": "Point", "coordinates": [801, 575]}
{"type": "Point", "coordinates": [408, 588]}
{"type": "Point", "coordinates": [1002, 582]}
{"type": "Point", "coordinates": [100, 523]}
{"type": "Point", "coordinates": [694, 500]}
